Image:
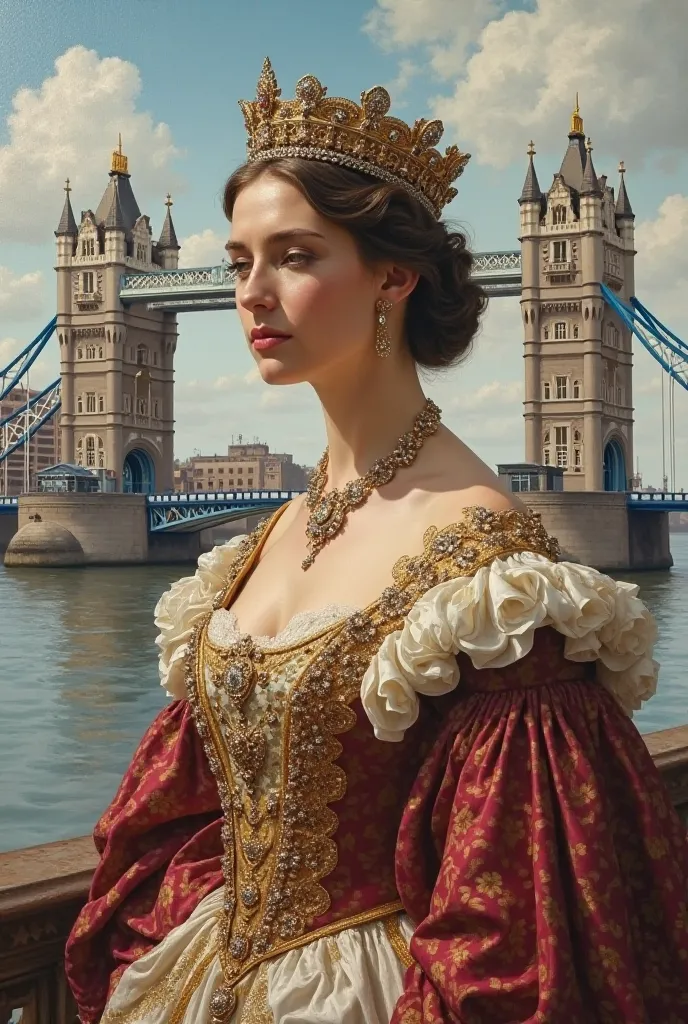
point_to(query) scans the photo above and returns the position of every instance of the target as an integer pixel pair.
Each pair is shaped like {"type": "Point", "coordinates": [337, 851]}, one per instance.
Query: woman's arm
{"type": "Point", "coordinates": [160, 848]}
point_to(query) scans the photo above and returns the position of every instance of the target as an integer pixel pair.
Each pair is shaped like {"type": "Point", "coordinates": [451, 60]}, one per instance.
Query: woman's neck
{"type": "Point", "coordinates": [365, 417]}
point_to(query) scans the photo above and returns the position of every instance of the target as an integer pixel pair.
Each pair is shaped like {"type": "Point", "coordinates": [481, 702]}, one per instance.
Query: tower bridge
{"type": "Point", "coordinates": [119, 294]}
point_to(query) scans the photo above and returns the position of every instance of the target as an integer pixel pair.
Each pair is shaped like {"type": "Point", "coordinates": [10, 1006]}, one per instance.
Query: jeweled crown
{"type": "Point", "coordinates": [336, 130]}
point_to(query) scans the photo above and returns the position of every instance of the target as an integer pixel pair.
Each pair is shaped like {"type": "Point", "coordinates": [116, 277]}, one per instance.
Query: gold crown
{"type": "Point", "coordinates": [335, 130]}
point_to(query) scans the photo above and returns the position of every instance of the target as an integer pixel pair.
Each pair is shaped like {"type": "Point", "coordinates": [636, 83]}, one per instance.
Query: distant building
{"type": "Point", "coordinates": [42, 451]}
{"type": "Point", "coordinates": [244, 467]}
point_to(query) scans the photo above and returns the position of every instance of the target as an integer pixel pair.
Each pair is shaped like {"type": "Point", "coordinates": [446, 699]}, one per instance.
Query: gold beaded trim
{"type": "Point", "coordinates": [397, 941]}
{"type": "Point", "coordinates": [315, 711]}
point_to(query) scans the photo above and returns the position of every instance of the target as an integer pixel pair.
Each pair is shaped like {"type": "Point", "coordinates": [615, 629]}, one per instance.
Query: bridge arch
{"type": "Point", "coordinates": [138, 471]}
{"type": "Point", "coordinates": [614, 465]}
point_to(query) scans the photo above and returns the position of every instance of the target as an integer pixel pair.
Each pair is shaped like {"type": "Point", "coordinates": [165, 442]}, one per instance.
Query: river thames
{"type": "Point", "coordinates": [79, 685]}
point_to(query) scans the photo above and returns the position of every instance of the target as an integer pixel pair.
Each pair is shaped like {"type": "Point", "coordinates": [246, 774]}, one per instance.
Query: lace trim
{"type": "Point", "coordinates": [224, 630]}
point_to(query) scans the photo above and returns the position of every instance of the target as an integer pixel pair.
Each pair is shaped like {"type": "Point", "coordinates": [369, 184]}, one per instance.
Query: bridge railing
{"type": "Point", "coordinates": [637, 496]}
{"type": "Point", "coordinates": [191, 497]}
{"type": "Point", "coordinates": [43, 888]}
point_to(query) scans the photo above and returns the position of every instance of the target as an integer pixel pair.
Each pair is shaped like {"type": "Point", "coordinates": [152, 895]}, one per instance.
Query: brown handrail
{"type": "Point", "coordinates": [43, 887]}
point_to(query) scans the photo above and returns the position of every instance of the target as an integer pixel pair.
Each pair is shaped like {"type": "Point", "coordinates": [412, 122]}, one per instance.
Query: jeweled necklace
{"type": "Point", "coordinates": [328, 512]}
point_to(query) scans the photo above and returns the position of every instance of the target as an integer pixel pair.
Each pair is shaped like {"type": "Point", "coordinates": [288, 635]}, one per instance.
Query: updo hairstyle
{"type": "Point", "coordinates": [443, 311]}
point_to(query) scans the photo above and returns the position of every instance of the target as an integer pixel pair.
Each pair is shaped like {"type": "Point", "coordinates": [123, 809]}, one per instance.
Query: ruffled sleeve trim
{"type": "Point", "coordinates": [492, 617]}
{"type": "Point", "coordinates": [180, 609]}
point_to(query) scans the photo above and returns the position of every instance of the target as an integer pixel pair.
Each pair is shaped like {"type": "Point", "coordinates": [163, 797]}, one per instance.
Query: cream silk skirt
{"type": "Point", "coordinates": [353, 977]}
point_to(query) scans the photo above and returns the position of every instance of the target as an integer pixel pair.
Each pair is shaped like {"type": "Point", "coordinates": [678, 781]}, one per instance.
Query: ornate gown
{"type": "Point", "coordinates": [433, 809]}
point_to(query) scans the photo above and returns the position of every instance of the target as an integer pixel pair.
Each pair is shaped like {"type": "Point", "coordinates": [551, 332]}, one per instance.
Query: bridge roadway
{"type": "Point", "coordinates": [194, 289]}
{"type": "Point", "coordinates": [189, 513]}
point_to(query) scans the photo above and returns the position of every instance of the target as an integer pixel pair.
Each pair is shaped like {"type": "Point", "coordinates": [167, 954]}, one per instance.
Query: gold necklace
{"type": "Point", "coordinates": [328, 512]}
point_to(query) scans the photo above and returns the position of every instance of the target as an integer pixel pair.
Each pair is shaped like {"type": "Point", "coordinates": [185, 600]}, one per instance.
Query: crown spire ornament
{"type": "Point", "coordinates": [335, 130]}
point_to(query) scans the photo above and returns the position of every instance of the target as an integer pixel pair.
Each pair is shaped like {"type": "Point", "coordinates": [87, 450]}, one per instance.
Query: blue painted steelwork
{"type": "Point", "coordinates": [25, 360]}
{"type": "Point", "coordinates": [663, 345]}
{"type": "Point", "coordinates": [188, 513]}
{"type": "Point", "coordinates": [23, 423]}
{"type": "Point", "coordinates": [657, 501]}
{"type": "Point", "coordinates": [201, 288]}
{"type": "Point", "coordinates": [9, 506]}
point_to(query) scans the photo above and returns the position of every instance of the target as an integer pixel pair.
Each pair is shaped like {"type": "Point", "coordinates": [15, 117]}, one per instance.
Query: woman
{"type": "Point", "coordinates": [398, 780]}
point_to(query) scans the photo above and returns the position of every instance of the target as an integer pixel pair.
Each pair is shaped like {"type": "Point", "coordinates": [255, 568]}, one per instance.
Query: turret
{"type": "Point", "coordinates": [66, 231]}
{"type": "Point", "coordinates": [626, 228]}
{"type": "Point", "coordinates": [590, 195]}
{"type": "Point", "coordinates": [168, 246]}
{"type": "Point", "coordinates": [531, 198]}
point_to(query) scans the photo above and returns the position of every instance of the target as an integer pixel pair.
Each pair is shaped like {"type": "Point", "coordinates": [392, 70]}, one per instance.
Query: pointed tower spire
{"type": "Point", "coordinates": [168, 236]}
{"type": "Point", "coordinates": [67, 225]}
{"type": "Point", "coordinates": [623, 203]}
{"type": "Point", "coordinates": [114, 218]}
{"type": "Point", "coordinates": [573, 164]}
{"type": "Point", "coordinates": [589, 185]}
{"type": "Point", "coordinates": [531, 192]}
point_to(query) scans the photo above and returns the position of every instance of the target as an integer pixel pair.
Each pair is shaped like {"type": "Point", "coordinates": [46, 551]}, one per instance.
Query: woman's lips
{"type": "Point", "coordinates": [263, 343]}
{"type": "Point", "coordinates": [263, 338]}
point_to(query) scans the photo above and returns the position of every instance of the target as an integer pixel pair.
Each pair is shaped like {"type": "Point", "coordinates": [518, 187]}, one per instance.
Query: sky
{"type": "Point", "coordinates": [167, 74]}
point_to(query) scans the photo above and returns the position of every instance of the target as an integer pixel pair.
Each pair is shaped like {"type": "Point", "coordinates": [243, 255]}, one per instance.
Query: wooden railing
{"type": "Point", "coordinates": [42, 889]}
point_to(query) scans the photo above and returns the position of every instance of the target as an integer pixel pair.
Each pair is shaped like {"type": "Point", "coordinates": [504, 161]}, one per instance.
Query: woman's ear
{"type": "Point", "coordinates": [397, 283]}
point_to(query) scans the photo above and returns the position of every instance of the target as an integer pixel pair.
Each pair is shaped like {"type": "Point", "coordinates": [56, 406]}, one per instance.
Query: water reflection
{"type": "Point", "coordinates": [79, 685]}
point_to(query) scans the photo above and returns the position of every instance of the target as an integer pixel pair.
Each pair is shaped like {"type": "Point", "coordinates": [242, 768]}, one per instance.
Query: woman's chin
{"type": "Point", "coordinates": [274, 371]}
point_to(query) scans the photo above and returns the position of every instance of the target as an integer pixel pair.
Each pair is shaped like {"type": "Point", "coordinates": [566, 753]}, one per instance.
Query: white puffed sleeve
{"type": "Point", "coordinates": [182, 606]}
{"type": "Point", "coordinates": [492, 617]}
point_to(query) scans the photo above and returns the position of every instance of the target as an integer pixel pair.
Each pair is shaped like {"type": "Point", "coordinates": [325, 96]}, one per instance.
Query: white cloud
{"type": "Point", "coordinates": [662, 263]}
{"type": "Point", "coordinates": [446, 32]}
{"type": "Point", "coordinates": [205, 249]}
{"type": "Point", "coordinates": [20, 294]}
{"type": "Point", "coordinates": [9, 348]}
{"type": "Point", "coordinates": [527, 65]}
{"type": "Point", "coordinates": [67, 128]}
{"type": "Point", "coordinates": [495, 393]}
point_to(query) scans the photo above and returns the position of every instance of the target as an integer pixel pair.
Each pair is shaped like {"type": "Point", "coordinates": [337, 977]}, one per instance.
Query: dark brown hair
{"type": "Point", "coordinates": [387, 223]}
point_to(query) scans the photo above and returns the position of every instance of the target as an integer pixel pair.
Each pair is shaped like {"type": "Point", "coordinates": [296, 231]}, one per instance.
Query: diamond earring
{"type": "Point", "coordinates": [383, 344]}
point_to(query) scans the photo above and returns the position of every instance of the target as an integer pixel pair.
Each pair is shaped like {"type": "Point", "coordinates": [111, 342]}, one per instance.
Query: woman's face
{"type": "Point", "coordinates": [305, 298]}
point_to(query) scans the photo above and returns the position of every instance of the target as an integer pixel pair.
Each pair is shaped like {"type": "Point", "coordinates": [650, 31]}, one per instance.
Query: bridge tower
{"type": "Point", "coordinates": [578, 355]}
{"type": "Point", "coordinates": [116, 364]}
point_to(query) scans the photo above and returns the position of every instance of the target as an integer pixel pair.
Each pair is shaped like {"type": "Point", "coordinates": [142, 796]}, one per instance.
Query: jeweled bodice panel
{"type": "Point", "coordinates": [271, 713]}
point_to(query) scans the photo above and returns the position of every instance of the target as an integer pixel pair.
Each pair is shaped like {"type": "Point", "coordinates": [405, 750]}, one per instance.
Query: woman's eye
{"type": "Point", "coordinates": [297, 259]}
{"type": "Point", "coordinates": [240, 267]}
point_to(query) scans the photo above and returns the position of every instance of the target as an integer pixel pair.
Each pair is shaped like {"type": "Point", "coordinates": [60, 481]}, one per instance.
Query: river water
{"type": "Point", "coordinates": [79, 685]}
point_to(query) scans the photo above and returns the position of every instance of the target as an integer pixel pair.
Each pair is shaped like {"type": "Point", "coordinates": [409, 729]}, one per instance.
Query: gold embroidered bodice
{"type": "Point", "coordinates": [269, 712]}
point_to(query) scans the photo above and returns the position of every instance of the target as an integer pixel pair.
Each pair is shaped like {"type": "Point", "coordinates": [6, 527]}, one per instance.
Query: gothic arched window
{"type": "Point", "coordinates": [575, 330]}
{"type": "Point", "coordinates": [576, 389]}
{"type": "Point", "coordinates": [95, 452]}
{"type": "Point", "coordinates": [100, 352]}
{"type": "Point", "coordinates": [79, 404]}
{"type": "Point", "coordinates": [90, 351]}
{"type": "Point", "coordinates": [80, 452]}
{"type": "Point", "coordinates": [142, 355]}
{"type": "Point", "coordinates": [546, 333]}
{"type": "Point", "coordinates": [546, 390]}
{"type": "Point", "coordinates": [560, 330]}
{"type": "Point", "coordinates": [559, 215]}
{"type": "Point", "coordinates": [80, 353]}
